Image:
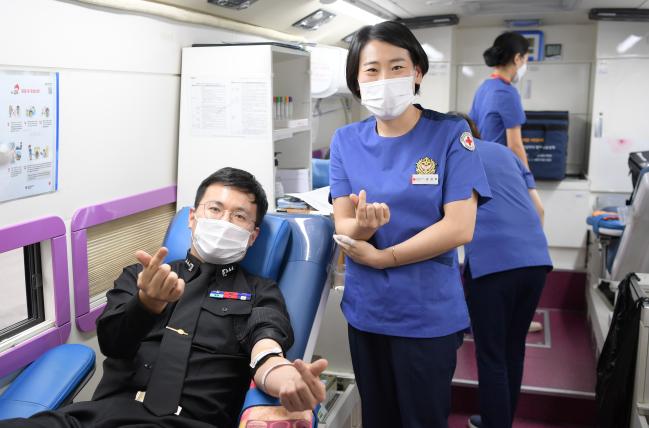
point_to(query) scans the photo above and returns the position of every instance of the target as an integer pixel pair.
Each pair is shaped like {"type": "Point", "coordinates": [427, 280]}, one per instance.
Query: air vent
{"type": "Point", "coordinates": [638, 15]}
{"type": "Point", "coordinates": [522, 23]}
{"type": "Point", "coordinates": [349, 37]}
{"type": "Point", "coordinates": [430, 21]}
{"type": "Point", "coordinates": [315, 20]}
{"type": "Point", "coordinates": [233, 4]}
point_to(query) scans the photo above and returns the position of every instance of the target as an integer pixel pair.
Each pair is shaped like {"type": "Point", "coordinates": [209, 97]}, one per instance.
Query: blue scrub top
{"type": "Point", "coordinates": [422, 299]}
{"type": "Point", "coordinates": [496, 107]}
{"type": "Point", "coordinates": [508, 232]}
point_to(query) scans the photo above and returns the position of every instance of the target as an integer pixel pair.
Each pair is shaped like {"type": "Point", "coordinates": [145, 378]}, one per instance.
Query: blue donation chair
{"type": "Point", "coordinates": [294, 250]}
{"type": "Point", "coordinates": [320, 172]}
{"type": "Point", "coordinates": [51, 381]}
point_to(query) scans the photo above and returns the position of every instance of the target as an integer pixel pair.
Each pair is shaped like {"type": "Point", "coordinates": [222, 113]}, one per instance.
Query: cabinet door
{"type": "Point", "coordinates": [620, 122]}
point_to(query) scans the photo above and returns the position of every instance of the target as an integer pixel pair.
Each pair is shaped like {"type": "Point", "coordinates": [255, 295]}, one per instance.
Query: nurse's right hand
{"type": "Point", "coordinates": [372, 215]}
{"type": "Point", "coordinates": [157, 284]}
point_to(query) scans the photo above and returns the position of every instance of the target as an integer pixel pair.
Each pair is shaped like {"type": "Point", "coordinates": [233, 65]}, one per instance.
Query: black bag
{"type": "Point", "coordinates": [545, 138]}
{"type": "Point", "coordinates": [616, 364]}
{"type": "Point", "coordinates": [638, 161]}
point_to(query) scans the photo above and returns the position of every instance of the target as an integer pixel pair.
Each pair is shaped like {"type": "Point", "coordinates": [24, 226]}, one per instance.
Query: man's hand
{"type": "Point", "coordinates": [157, 283]}
{"type": "Point", "coordinates": [301, 387]}
{"type": "Point", "coordinates": [365, 253]}
{"type": "Point", "coordinates": [369, 216]}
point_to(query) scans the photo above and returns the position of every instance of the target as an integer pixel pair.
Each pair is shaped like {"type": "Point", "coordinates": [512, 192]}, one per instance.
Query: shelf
{"type": "Point", "coordinates": [286, 133]}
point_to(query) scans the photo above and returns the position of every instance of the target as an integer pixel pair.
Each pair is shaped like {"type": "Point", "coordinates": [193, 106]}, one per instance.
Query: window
{"type": "Point", "coordinates": [22, 300]}
{"type": "Point", "coordinates": [112, 245]}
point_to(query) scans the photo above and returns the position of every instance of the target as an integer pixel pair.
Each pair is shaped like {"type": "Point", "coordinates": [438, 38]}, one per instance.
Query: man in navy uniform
{"type": "Point", "coordinates": [183, 339]}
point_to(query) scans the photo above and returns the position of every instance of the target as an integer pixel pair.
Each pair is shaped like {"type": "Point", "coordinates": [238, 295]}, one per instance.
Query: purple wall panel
{"type": "Point", "coordinates": [94, 215]}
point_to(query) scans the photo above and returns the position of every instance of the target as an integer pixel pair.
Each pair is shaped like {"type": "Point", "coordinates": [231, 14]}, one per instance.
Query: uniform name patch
{"type": "Point", "coordinates": [424, 179]}
{"type": "Point", "coordinates": [466, 139]}
{"type": "Point", "coordinates": [232, 295]}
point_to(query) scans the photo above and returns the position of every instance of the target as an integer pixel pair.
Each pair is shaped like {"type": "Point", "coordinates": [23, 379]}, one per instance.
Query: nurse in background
{"type": "Point", "coordinates": [505, 267]}
{"type": "Point", "coordinates": [406, 184]}
{"type": "Point", "coordinates": [497, 109]}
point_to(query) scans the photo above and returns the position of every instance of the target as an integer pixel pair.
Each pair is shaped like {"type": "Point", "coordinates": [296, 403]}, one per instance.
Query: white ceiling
{"type": "Point", "coordinates": [281, 14]}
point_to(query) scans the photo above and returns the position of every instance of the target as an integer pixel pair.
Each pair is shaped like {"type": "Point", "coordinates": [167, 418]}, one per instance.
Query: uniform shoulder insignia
{"type": "Point", "coordinates": [466, 139]}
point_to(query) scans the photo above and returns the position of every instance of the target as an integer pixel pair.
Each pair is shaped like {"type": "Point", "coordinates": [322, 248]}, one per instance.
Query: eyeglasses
{"type": "Point", "coordinates": [214, 211]}
{"type": "Point", "coordinates": [293, 423]}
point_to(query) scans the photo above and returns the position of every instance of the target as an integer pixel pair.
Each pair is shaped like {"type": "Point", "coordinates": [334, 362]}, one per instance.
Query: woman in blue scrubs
{"type": "Point", "coordinates": [504, 269]}
{"type": "Point", "coordinates": [406, 184]}
{"type": "Point", "coordinates": [497, 109]}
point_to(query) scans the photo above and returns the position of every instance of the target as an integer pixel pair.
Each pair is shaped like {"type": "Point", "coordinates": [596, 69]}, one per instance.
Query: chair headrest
{"type": "Point", "coordinates": [263, 259]}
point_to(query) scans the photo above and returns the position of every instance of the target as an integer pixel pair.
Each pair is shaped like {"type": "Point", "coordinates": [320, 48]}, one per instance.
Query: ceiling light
{"type": "Point", "coordinates": [373, 7]}
{"type": "Point", "coordinates": [353, 11]}
{"type": "Point", "coordinates": [430, 21]}
{"type": "Point", "coordinates": [315, 20]}
{"type": "Point", "coordinates": [619, 14]}
{"type": "Point", "coordinates": [233, 4]}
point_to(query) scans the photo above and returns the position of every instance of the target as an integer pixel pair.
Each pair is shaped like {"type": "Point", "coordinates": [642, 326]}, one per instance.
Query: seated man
{"type": "Point", "coordinates": [181, 338]}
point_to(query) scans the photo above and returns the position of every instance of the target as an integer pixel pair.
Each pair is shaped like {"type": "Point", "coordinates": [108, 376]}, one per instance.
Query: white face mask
{"type": "Point", "coordinates": [220, 242]}
{"type": "Point", "coordinates": [389, 98]}
{"type": "Point", "coordinates": [520, 73]}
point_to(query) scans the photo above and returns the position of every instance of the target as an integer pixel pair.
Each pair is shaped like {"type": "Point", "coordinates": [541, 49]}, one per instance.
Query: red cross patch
{"type": "Point", "coordinates": [466, 139]}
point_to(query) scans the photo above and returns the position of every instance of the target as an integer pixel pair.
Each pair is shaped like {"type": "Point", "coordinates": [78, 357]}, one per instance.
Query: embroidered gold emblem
{"type": "Point", "coordinates": [426, 165]}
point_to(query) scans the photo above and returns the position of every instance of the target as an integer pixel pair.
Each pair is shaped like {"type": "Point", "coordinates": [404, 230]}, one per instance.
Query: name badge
{"type": "Point", "coordinates": [424, 179]}
{"type": "Point", "coordinates": [233, 295]}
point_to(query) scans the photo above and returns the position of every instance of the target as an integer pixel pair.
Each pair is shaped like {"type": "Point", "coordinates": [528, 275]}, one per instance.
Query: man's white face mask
{"type": "Point", "coordinates": [388, 98]}
{"type": "Point", "coordinates": [220, 242]}
{"type": "Point", "coordinates": [520, 73]}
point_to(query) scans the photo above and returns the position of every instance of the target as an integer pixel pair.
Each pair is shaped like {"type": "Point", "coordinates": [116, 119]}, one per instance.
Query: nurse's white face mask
{"type": "Point", "coordinates": [520, 73]}
{"type": "Point", "coordinates": [387, 99]}
{"type": "Point", "coordinates": [220, 242]}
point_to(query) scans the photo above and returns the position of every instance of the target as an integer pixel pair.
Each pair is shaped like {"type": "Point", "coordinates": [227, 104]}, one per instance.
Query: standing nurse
{"type": "Point", "coordinates": [406, 184]}
{"type": "Point", "coordinates": [505, 268]}
{"type": "Point", "coordinates": [497, 108]}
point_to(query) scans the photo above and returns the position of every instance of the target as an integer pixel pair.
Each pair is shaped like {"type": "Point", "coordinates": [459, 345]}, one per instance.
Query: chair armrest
{"type": "Point", "coordinates": [50, 381]}
{"type": "Point", "coordinates": [255, 398]}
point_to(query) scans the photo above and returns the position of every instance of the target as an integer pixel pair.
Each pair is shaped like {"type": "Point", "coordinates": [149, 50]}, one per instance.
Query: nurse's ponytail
{"type": "Point", "coordinates": [505, 48]}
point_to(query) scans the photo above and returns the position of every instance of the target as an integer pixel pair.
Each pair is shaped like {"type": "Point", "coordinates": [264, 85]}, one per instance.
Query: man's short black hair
{"type": "Point", "coordinates": [390, 32]}
{"type": "Point", "coordinates": [240, 180]}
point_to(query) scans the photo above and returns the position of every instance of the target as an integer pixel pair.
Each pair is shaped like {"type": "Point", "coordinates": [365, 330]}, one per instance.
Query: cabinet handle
{"type": "Point", "coordinates": [599, 126]}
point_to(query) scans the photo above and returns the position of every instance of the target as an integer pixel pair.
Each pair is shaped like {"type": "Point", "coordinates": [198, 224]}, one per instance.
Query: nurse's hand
{"type": "Point", "coordinates": [372, 215]}
{"type": "Point", "coordinates": [364, 253]}
{"type": "Point", "coordinates": [157, 284]}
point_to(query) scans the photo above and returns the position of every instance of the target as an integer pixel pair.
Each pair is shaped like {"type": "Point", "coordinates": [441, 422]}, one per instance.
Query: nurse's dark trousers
{"type": "Point", "coordinates": [404, 382]}
{"type": "Point", "coordinates": [501, 306]}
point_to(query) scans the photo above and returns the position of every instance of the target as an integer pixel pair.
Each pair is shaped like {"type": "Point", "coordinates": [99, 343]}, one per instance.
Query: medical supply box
{"type": "Point", "coordinates": [545, 138]}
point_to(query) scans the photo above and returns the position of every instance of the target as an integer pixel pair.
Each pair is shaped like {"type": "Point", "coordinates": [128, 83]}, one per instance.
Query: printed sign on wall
{"type": "Point", "coordinates": [28, 134]}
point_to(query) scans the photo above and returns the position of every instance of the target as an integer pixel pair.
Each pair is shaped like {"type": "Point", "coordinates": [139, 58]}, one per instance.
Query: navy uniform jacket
{"type": "Point", "coordinates": [218, 374]}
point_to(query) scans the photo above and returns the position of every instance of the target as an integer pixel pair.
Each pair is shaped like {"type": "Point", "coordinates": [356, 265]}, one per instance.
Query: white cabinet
{"type": "Point", "coordinates": [619, 120]}
{"type": "Point", "coordinates": [619, 113]}
{"type": "Point", "coordinates": [227, 113]}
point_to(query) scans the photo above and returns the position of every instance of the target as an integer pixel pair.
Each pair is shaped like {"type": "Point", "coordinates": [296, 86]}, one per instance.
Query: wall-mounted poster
{"type": "Point", "coordinates": [28, 133]}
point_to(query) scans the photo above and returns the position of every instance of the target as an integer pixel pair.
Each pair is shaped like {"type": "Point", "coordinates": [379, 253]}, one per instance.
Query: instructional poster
{"type": "Point", "coordinates": [229, 107]}
{"type": "Point", "coordinates": [29, 133]}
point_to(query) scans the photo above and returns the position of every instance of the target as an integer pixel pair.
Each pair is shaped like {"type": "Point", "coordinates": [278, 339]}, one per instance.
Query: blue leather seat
{"type": "Point", "coordinates": [320, 172]}
{"type": "Point", "coordinates": [49, 382]}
